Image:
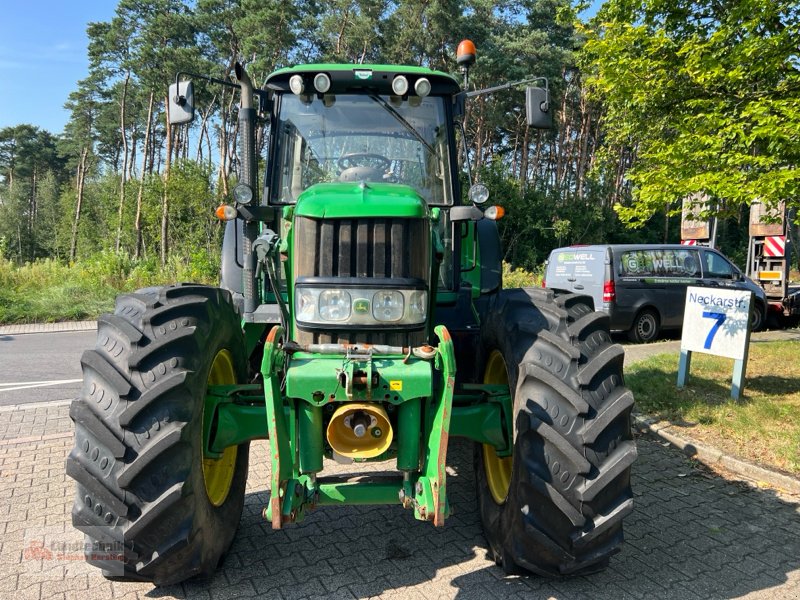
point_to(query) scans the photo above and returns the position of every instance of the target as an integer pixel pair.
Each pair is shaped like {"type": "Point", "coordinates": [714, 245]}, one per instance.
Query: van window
{"type": "Point", "coordinates": [659, 263]}
{"type": "Point", "coordinates": [717, 266]}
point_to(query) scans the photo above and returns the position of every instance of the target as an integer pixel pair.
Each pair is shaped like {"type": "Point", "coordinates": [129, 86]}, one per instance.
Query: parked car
{"type": "Point", "coordinates": [642, 287]}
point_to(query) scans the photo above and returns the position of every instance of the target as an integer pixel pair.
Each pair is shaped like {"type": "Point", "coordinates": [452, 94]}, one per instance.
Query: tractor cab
{"type": "Point", "coordinates": [371, 124]}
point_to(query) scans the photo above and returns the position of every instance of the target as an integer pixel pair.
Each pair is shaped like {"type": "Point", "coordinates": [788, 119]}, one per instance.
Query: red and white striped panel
{"type": "Point", "coordinates": [688, 242]}
{"type": "Point", "coordinates": [775, 245]}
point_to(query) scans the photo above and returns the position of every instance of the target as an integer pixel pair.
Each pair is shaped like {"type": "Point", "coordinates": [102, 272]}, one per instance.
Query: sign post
{"type": "Point", "coordinates": [716, 321]}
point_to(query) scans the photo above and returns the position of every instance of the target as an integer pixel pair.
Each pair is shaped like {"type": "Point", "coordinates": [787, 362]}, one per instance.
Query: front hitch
{"type": "Point", "coordinates": [411, 381]}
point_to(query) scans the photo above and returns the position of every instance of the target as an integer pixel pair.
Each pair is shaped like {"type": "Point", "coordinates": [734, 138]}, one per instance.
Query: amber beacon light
{"type": "Point", "coordinates": [466, 54]}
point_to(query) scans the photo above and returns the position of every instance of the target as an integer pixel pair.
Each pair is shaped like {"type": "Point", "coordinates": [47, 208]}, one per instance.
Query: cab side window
{"type": "Point", "coordinates": [716, 266]}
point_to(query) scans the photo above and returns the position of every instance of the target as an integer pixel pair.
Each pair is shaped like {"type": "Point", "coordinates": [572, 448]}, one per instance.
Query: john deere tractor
{"type": "Point", "coordinates": [360, 318]}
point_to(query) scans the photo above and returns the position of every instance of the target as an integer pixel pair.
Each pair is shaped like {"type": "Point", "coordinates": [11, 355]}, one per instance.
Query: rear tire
{"type": "Point", "coordinates": [568, 484]}
{"type": "Point", "coordinates": [142, 481]}
{"type": "Point", "coordinates": [646, 327]}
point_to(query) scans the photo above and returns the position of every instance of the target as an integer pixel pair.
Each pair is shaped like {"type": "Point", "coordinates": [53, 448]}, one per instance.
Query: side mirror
{"type": "Point", "coordinates": [181, 103]}
{"type": "Point", "coordinates": [537, 108]}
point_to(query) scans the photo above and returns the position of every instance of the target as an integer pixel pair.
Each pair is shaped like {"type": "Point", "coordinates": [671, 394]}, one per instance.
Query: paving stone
{"type": "Point", "coordinates": [697, 536]}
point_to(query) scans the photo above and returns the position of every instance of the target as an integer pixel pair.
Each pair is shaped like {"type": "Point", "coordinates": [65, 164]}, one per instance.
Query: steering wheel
{"type": "Point", "coordinates": [363, 159]}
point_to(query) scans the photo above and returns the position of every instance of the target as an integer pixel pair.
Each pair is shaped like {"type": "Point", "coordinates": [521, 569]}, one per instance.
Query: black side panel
{"type": "Point", "coordinates": [491, 254]}
{"type": "Point", "coordinates": [231, 271]}
{"type": "Point", "coordinates": [464, 328]}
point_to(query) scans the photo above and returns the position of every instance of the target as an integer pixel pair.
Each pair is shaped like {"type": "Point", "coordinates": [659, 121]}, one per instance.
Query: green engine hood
{"type": "Point", "coordinates": [349, 200]}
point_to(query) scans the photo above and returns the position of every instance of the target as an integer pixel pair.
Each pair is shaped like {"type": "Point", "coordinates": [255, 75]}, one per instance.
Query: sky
{"type": "Point", "coordinates": [43, 56]}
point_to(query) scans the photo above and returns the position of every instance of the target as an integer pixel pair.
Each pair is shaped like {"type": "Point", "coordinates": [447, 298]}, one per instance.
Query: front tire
{"type": "Point", "coordinates": [556, 506]}
{"type": "Point", "coordinates": [143, 484]}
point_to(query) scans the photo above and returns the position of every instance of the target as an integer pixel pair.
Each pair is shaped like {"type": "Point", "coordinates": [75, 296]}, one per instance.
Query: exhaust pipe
{"type": "Point", "coordinates": [248, 174]}
{"type": "Point", "coordinates": [360, 430]}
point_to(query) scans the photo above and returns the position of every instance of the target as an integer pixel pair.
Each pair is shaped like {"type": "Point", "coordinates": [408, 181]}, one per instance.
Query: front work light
{"type": "Point", "coordinates": [322, 83]}
{"type": "Point", "coordinates": [478, 193]}
{"type": "Point", "coordinates": [400, 85]}
{"type": "Point", "coordinates": [422, 87]}
{"type": "Point", "coordinates": [296, 85]}
{"type": "Point", "coordinates": [243, 194]}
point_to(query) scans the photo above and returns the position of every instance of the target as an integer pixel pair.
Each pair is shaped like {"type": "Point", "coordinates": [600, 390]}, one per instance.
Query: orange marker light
{"type": "Point", "coordinates": [495, 213]}
{"type": "Point", "coordinates": [226, 212]}
{"type": "Point", "coordinates": [466, 54]}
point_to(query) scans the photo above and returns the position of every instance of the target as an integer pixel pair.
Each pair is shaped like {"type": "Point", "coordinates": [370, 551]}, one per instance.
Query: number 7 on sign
{"type": "Point", "coordinates": [720, 319]}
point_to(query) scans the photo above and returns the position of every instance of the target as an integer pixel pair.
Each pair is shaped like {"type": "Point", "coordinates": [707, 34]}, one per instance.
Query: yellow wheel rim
{"type": "Point", "coordinates": [498, 469]}
{"type": "Point", "coordinates": [218, 472]}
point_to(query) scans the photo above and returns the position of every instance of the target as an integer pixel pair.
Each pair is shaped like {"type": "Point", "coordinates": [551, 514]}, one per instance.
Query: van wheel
{"type": "Point", "coordinates": [645, 328]}
{"type": "Point", "coordinates": [757, 318]}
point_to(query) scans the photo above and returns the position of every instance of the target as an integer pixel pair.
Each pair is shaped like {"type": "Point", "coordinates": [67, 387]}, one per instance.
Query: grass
{"type": "Point", "coordinates": [762, 427]}
{"type": "Point", "coordinates": [49, 290]}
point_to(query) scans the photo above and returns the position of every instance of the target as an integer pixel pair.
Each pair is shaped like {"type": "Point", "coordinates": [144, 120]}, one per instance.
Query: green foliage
{"type": "Point", "coordinates": [50, 290]}
{"type": "Point", "coordinates": [706, 96]}
{"type": "Point", "coordinates": [699, 96]}
{"type": "Point", "coordinates": [31, 171]}
{"type": "Point", "coordinates": [514, 278]}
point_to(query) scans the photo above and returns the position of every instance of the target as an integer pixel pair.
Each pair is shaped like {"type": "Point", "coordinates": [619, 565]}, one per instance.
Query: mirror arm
{"type": "Point", "coordinates": [232, 84]}
{"type": "Point", "coordinates": [466, 151]}
{"type": "Point", "coordinates": [506, 86]}
{"type": "Point", "coordinates": [465, 213]}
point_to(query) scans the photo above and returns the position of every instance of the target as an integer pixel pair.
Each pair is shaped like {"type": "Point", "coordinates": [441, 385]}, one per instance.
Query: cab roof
{"type": "Point", "coordinates": [355, 78]}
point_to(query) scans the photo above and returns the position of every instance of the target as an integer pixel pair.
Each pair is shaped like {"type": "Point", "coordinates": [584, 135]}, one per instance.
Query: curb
{"type": "Point", "coordinates": [24, 328]}
{"type": "Point", "coordinates": [715, 458]}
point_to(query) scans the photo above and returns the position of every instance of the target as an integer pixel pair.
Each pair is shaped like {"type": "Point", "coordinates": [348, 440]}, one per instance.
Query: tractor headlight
{"type": "Point", "coordinates": [335, 305]}
{"type": "Point", "coordinates": [306, 305]}
{"type": "Point", "coordinates": [388, 305]}
{"type": "Point", "coordinates": [360, 306]}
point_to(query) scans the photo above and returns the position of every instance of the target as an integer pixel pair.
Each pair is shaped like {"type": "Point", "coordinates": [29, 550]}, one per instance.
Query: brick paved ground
{"type": "Point", "coordinates": [692, 535]}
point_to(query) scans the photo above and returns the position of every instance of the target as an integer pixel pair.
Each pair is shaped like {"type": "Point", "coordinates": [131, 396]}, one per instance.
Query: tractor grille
{"type": "Point", "coordinates": [362, 248]}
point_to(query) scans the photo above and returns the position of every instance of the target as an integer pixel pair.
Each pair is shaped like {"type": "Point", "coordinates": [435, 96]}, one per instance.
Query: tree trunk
{"type": "Point", "coordinates": [31, 216]}
{"type": "Point", "coordinates": [523, 161]}
{"type": "Point", "coordinates": [132, 160]}
{"type": "Point", "coordinates": [165, 197]}
{"type": "Point", "coordinates": [81, 177]}
{"type": "Point", "coordinates": [120, 212]}
{"type": "Point", "coordinates": [224, 154]}
{"type": "Point", "coordinates": [583, 157]}
{"type": "Point", "coordinates": [138, 222]}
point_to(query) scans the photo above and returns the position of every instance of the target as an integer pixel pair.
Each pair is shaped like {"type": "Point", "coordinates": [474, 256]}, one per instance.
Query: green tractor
{"type": "Point", "coordinates": [361, 318]}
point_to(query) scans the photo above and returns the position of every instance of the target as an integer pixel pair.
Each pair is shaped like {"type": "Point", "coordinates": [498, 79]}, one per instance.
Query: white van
{"type": "Point", "coordinates": [642, 287]}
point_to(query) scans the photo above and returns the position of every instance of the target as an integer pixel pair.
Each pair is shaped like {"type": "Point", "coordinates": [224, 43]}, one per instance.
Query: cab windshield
{"type": "Point", "coordinates": [361, 137]}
